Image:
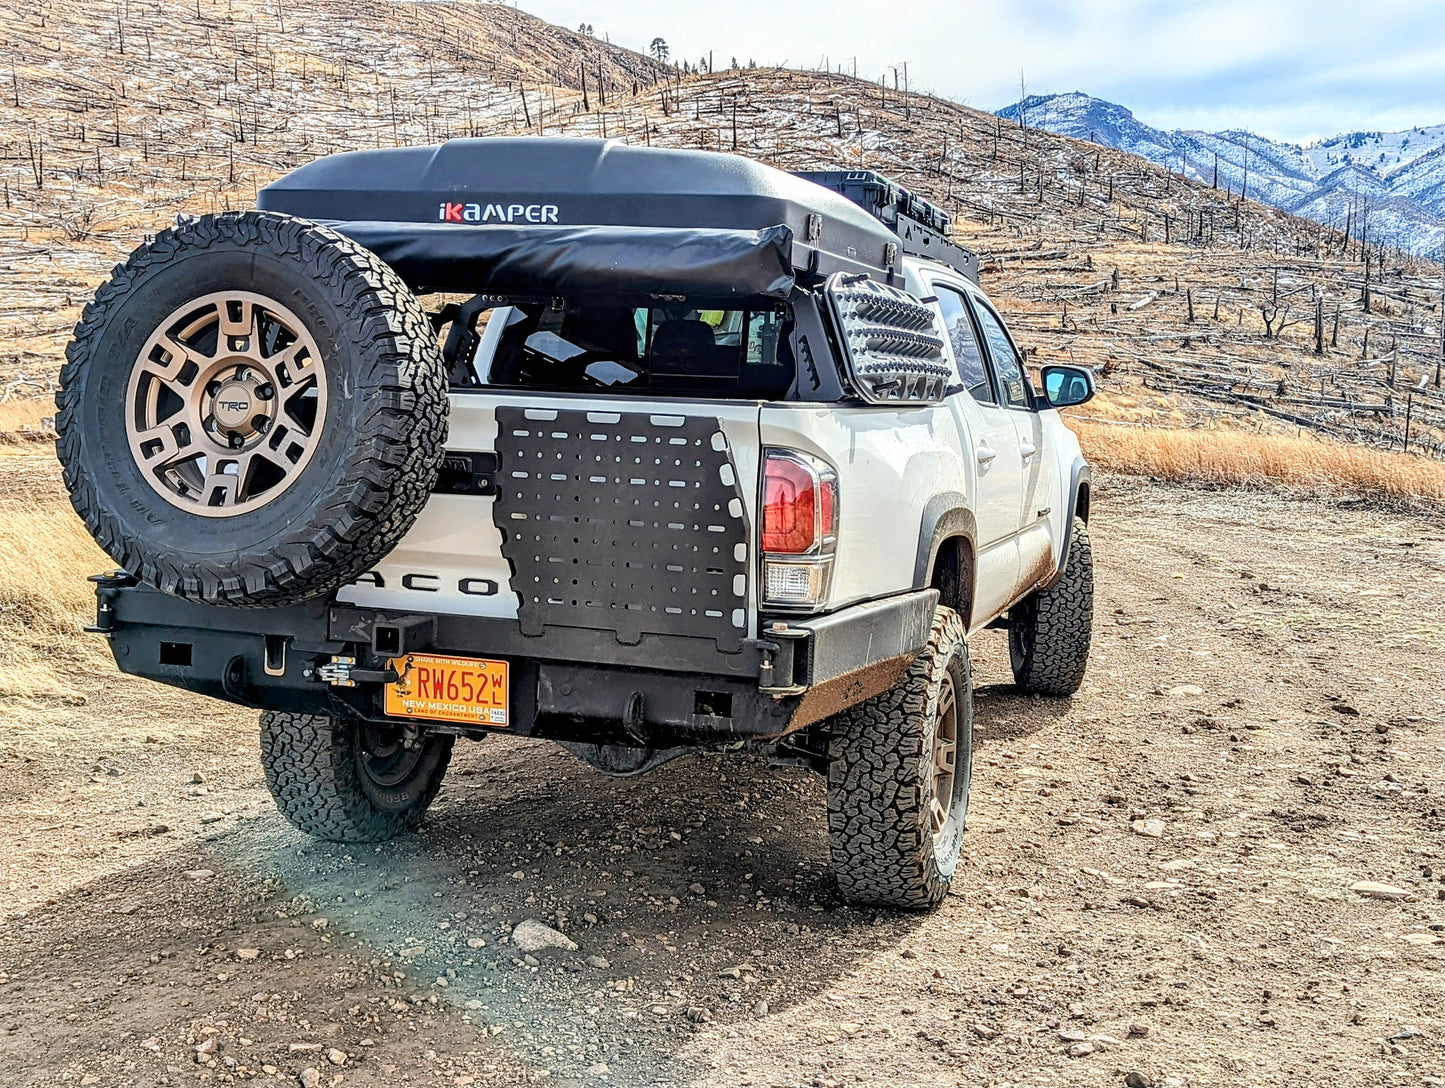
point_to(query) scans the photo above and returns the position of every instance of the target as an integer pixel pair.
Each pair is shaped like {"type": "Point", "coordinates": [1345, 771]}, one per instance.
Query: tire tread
{"type": "Point", "coordinates": [311, 773]}
{"type": "Point", "coordinates": [880, 782]}
{"type": "Point", "coordinates": [1049, 644]}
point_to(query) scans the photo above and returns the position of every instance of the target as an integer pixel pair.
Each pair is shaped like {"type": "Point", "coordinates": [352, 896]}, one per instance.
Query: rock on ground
{"type": "Point", "coordinates": [531, 935]}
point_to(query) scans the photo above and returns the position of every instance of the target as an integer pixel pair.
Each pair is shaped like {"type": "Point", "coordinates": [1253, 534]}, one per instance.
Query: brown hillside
{"type": "Point", "coordinates": [1099, 257]}
{"type": "Point", "coordinates": [116, 117]}
{"type": "Point", "coordinates": [120, 117]}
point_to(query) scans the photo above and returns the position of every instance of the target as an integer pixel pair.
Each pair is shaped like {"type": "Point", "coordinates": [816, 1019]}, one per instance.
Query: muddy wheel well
{"type": "Point", "coordinates": [952, 576]}
{"type": "Point", "coordinates": [1081, 508]}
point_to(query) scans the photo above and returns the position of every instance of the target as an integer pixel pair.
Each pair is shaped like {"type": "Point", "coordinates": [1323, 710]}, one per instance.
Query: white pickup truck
{"type": "Point", "coordinates": [708, 456]}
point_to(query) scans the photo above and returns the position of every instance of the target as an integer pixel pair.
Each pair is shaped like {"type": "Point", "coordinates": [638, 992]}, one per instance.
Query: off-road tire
{"type": "Point", "coordinates": [317, 772]}
{"type": "Point", "coordinates": [881, 781]}
{"type": "Point", "coordinates": [1050, 631]}
{"type": "Point", "coordinates": [377, 444]}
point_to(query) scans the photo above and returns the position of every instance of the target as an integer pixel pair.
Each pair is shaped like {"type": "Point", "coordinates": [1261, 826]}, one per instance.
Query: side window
{"type": "Point", "coordinates": [1007, 365]}
{"type": "Point", "coordinates": [961, 335]}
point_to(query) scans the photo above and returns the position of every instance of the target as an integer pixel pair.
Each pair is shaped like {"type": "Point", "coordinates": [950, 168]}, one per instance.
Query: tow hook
{"type": "Point", "coordinates": [632, 719]}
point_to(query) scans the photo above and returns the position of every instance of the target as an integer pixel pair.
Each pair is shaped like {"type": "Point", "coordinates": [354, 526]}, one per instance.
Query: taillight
{"type": "Point", "coordinates": [790, 506]}
{"type": "Point", "coordinates": [800, 528]}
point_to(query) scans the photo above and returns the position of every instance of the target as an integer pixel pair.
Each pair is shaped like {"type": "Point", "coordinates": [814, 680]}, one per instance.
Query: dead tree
{"type": "Point", "coordinates": [1440, 359]}
{"type": "Point", "coordinates": [35, 149]}
{"type": "Point", "coordinates": [1267, 314]}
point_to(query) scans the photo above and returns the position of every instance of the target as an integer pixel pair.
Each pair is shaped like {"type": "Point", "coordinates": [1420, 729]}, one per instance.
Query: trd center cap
{"type": "Point", "coordinates": [233, 406]}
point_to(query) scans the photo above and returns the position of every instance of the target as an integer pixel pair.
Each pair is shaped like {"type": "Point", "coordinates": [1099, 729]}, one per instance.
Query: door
{"type": "Point", "coordinates": [990, 441]}
{"type": "Point", "coordinates": [1036, 556]}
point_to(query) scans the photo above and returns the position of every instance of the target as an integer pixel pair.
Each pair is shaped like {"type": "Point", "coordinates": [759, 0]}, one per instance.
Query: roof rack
{"type": "Point", "coordinates": [922, 226]}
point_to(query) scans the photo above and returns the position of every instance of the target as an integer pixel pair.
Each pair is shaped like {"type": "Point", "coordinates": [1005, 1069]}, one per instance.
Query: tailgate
{"type": "Point", "coordinates": [609, 514]}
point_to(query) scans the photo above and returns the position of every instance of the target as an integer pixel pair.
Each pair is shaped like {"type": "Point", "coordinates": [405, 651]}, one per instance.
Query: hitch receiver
{"type": "Point", "coordinates": [404, 635]}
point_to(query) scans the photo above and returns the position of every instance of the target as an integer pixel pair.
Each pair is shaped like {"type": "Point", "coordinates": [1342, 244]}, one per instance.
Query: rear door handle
{"type": "Point", "coordinates": [985, 455]}
{"type": "Point", "coordinates": [1028, 449]}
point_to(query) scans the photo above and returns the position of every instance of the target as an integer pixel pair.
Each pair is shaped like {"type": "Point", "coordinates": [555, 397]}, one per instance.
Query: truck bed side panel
{"type": "Point", "coordinates": [888, 461]}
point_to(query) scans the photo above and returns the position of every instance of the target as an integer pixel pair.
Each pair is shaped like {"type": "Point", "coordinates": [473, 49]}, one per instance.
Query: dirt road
{"type": "Point", "coordinates": [1156, 877]}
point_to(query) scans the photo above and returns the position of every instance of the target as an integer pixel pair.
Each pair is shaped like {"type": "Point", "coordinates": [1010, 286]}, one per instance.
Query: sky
{"type": "Point", "coordinates": [1293, 70]}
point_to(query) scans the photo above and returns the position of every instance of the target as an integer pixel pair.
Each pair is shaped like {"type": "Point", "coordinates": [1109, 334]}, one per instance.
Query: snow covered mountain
{"type": "Point", "coordinates": [1396, 178]}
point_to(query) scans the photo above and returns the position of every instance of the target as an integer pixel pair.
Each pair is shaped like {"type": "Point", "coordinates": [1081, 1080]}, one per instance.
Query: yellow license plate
{"type": "Point", "coordinates": [449, 689]}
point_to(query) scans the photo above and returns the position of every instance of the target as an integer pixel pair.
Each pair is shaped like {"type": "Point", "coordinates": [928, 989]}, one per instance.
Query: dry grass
{"type": "Point", "coordinates": [45, 600]}
{"type": "Point", "coordinates": [20, 420]}
{"type": "Point", "coordinates": [1239, 458]}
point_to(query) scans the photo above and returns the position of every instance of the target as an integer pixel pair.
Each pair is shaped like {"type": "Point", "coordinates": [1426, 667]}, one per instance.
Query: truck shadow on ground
{"type": "Point", "coordinates": [699, 895]}
{"type": "Point", "coordinates": [699, 899]}
{"type": "Point", "coordinates": [1003, 713]}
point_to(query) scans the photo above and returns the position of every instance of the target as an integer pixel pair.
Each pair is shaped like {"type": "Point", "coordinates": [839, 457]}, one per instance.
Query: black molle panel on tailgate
{"type": "Point", "coordinates": [623, 521]}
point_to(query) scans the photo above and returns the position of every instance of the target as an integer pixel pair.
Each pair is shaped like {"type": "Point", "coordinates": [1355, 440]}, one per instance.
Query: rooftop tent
{"type": "Point", "coordinates": [535, 215]}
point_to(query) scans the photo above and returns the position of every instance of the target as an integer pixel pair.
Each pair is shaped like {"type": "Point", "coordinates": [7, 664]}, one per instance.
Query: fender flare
{"type": "Point", "coordinates": [1080, 479]}
{"type": "Point", "coordinates": [945, 516]}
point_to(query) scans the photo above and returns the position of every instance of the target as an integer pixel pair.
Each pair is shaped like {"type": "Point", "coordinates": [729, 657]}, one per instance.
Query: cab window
{"type": "Point", "coordinates": [1008, 367]}
{"type": "Point", "coordinates": [678, 348]}
{"type": "Point", "coordinates": [966, 353]}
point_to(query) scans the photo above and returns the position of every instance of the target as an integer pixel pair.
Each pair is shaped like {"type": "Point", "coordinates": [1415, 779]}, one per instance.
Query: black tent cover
{"type": "Point", "coordinates": [535, 216]}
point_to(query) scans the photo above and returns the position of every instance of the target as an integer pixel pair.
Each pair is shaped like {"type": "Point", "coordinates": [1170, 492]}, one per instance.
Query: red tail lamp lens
{"type": "Point", "coordinates": [790, 506]}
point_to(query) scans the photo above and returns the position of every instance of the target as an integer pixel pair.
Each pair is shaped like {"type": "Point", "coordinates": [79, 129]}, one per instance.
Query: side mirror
{"type": "Point", "coordinates": [1066, 386]}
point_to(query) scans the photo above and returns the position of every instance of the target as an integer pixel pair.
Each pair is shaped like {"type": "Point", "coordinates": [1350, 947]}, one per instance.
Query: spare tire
{"type": "Point", "coordinates": [252, 410]}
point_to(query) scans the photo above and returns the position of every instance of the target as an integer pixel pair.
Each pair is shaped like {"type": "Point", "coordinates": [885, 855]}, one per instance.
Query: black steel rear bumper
{"type": "Point", "coordinates": [568, 684]}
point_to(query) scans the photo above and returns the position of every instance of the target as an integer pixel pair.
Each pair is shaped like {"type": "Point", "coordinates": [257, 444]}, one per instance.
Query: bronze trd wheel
{"type": "Point", "coordinates": [945, 758]}
{"type": "Point", "coordinates": [225, 403]}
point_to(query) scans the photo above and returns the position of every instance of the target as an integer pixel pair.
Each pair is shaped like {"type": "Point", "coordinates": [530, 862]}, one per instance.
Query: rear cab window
{"type": "Point", "coordinates": [677, 348]}
{"type": "Point", "coordinates": [963, 338]}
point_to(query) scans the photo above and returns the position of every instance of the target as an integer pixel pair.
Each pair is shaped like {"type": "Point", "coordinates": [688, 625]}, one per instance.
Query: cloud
{"type": "Point", "coordinates": [1293, 69]}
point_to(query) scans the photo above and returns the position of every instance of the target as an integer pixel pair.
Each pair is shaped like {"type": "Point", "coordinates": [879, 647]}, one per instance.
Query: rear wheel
{"type": "Point", "coordinates": [899, 767]}
{"type": "Point", "coordinates": [1050, 631]}
{"type": "Point", "coordinates": [350, 781]}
